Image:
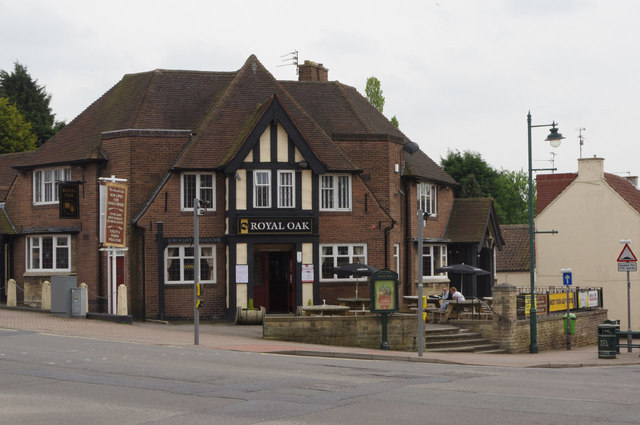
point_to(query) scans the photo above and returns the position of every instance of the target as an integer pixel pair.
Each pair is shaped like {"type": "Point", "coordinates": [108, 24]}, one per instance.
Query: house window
{"type": "Point", "coordinates": [339, 255]}
{"type": "Point", "coordinates": [45, 184]}
{"type": "Point", "coordinates": [199, 186]}
{"type": "Point", "coordinates": [286, 189]}
{"type": "Point", "coordinates": [262, 189]}
{"type": "Point", "coordinates": [335, 192]}
{"type": "Point", "coordinates": [433, 257]}
{"type": "Point", "coordinates": [427, 198]}
{"type": "Point", "coordinates": [179, 260]}
{"type": "Point", "coordinates": [49, 253]}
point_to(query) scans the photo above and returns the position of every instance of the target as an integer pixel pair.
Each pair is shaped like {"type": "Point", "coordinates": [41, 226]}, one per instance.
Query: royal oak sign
{"type": "Point", "coordinates": [265, 225]}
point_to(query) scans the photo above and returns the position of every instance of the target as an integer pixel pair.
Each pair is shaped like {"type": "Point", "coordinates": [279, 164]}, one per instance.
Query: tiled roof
{"type": "Point", "coordinates": [7, 173]}
{"type": "Point", "coordinates": [549, 186]}
{"type": "Point", "coordinates": [423, 167]}
{"type": "Point", "coordinates": [625, 189]}
{"type": "Point", "coordinates": [514, 257]}
{"type": "Point", "coordinates": [221, 109]}
{"type": "Point", "coordinates": [469, 219]}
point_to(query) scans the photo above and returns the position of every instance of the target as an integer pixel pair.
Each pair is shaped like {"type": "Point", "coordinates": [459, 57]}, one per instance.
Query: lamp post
{"type": "Point", "coordinates": [554, 138]}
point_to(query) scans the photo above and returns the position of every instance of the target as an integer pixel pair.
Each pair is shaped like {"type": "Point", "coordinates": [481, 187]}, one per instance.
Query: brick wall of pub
{"type": "Point", "coordinates": [179, 224]}
{"type": "Point", "coordinates": [84, 248]}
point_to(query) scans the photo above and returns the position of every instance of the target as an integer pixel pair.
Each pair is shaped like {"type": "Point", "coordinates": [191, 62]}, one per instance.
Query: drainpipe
{"type": "Point", "coordinates": [386, 243]}
{"type": "Point", "coordinates": [407, 240]}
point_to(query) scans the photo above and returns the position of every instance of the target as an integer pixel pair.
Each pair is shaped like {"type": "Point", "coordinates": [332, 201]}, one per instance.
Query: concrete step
{"type": "Point", "coordinates": [451, 339]}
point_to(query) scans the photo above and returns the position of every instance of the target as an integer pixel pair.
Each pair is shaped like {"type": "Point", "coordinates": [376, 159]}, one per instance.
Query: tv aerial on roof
{"type": "Point", "coordinates": [292, 58]}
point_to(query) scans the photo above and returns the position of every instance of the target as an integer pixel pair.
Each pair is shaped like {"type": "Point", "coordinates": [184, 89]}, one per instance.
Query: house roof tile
{"type": "Point", "coordinates": [515, 255]}
{"type": "Point", "coordinates": [469, 219]}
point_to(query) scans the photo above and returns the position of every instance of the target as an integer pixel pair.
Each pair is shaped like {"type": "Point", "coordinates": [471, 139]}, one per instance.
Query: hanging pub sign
{"type": "Point", "coordinates": [384, 291]}
{"type": "Point", "coordinates": [69, 200]}
{"type": "Point", "coordinates": [115, 215]}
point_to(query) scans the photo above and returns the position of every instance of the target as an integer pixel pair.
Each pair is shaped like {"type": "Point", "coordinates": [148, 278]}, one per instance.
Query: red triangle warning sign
{"type": "Point", "coordinates": [626, 256]}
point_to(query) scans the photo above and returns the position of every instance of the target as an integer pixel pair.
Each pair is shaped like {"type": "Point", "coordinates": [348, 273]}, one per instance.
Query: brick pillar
{"type": "Point", "coordinates": [506, 317]}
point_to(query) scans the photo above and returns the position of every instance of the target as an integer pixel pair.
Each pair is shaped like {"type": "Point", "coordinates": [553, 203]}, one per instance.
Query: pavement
{"type": "Point", "coordinates": [232, 337]}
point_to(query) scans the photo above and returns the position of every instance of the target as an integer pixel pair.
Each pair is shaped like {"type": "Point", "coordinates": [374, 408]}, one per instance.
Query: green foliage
{"type": "Point", "coordinates": [477, 179]}
{"type": "Point", "coordinates": [15, 131]}
{"type": "Point", "coordinates": [32, 101]}
{"type": "Point", "coordinates": [373, 92]}
{"type": "Point", "coordinates": [395, 122]}
{"type": "Point", "coordinates": [250, 304]}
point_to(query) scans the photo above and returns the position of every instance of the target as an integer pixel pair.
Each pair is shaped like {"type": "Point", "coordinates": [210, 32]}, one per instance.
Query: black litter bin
{"type": "Point", "coordinates": [607, 341]}
{"type": "Point", "coordinates": [617, 324]}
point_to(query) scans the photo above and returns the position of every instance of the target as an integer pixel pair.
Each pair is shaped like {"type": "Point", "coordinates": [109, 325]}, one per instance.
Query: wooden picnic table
{"type": "Point", "coordinates": [355, 303]}
{"type": "Point", "coordinates": [455, 308]}
{"type": "Point", "coordinates": [412, 300]}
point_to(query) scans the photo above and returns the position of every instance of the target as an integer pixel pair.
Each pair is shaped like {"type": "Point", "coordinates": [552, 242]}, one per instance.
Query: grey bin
{"type": "Point", "coordinates": [61, 287]}
{"type": "Point", "coordinates": [607, 341]}
{"type": "Point", "coordinates": [79, 302]}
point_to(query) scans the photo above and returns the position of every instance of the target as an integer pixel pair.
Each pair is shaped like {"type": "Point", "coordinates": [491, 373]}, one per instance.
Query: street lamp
{"type": "Point", "coordinates": [554, 138]}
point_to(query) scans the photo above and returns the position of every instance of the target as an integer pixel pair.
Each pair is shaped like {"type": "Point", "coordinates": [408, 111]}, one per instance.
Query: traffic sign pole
{"type": "Point", "coordinates": [627, 261]}
{"type": "Point", "coordinates": [567, 281]}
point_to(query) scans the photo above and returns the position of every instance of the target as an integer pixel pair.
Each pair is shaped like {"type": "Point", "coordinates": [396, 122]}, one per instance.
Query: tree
{"type": "Point", "coordinates": [374, 93]}
{"type": "Point", "coordinates": [476, 178]}
{"type": "Point", "coordinates": [395, 122]}
{"type": "Point", "coordinates": [32, 101]}
{"type": "Point", "coordinates": [513, 193]}
{"type": "Point", "coordinates": [15, 131]}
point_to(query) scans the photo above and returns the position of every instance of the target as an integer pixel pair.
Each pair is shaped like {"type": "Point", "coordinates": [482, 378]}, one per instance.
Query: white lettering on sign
{"type": "Point", "coordinates": [286, 225]}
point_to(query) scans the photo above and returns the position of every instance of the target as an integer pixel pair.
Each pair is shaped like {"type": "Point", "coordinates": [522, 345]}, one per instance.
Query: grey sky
{"type": "Point", "coordinates": [458, 74]}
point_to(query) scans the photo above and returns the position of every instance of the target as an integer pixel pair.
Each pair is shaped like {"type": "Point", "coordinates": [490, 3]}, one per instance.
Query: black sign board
{"type": "Point", "coordinates": [69, 200]}
{"type": "Point", "coordinates": [271, 225]}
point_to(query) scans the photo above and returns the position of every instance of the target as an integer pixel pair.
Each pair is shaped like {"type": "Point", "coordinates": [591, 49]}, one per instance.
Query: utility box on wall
{"type": "Point", "coordinates": [61, 287]}
{"type": "Point", "coordinates": [79, 302]}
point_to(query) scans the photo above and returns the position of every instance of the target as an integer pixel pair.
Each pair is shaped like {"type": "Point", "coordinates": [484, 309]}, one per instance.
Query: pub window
{"type": "Point", "coordinates": [45, 184]}
{"type": "Point", "coordinates": [339, 255]}
{"type": "Point", "coordinates": [428, 198]}
{"type": "Point", "coordinates": [335, 192]}
{"type": "Point", "coordinates": [262, 189]}
{"type": "Point", "coordinates": [179, 260]}
{"type": "Point", "coordinates": [433, 257]}
{"type": "Point", "coordinates": [199, 186]}
{"type": "Point", "coordinates": [286, 189]}
{"type": "Point", "coordinates": [49, 253]}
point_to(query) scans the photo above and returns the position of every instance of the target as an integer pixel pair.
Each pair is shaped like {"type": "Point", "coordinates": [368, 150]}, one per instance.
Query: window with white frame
{"type": "Point", "coordinates": [396, 257]}
{"type": "Point", "coordinates": [201, 186]}
{"type": "Point", "coordinates": [45, 184]}
{"type": "Point", "coordinates": [49, 253]}
{"type": "Point", "coordinates": [286, 189]}
{"type": "Point", "coordinates": [335, 192]}
{"type": "Point", "coordinates": [428, 198]}
{"type": "Point", "coordinates": [262, 189]}
{"type": "Point", "coordinates": [433, 257]}
{"type": "Point", "coordinates": [339, 255]}
{"type": "Point", "coordinates": [180, 261]}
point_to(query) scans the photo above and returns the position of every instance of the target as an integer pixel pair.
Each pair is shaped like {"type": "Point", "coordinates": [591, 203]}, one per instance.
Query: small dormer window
{"type": "Point", "coordinates": [201, 186]}
{"type": "Point", "coordinates": [428, 198]}
{"type": "Point", "coordinates": [45, 184]}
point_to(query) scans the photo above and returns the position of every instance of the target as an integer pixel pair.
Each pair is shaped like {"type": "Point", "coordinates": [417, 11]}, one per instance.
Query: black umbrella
{"type": "Point", "coordinates": [356, 270]}
{"type": "Point", "coordinates": [463, 269]}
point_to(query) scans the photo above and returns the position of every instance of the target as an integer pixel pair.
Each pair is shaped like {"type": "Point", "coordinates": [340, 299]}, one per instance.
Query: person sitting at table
{"type": "Point", "coordinates": [446, 295]}
{"type": "Point", "coordinates": [455, 295]}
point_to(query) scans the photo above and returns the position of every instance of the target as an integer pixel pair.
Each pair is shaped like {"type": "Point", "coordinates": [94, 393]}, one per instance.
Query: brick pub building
{"type": "Point", "coordinates": [295, 178]}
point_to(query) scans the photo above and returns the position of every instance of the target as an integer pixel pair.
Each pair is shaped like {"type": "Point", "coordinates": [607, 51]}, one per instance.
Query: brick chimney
{"type": "Point", "coordinates": [311, 71]}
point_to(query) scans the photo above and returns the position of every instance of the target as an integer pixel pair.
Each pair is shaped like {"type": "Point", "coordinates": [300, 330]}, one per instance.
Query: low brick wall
{"type": "Point", "coordinates": [349, 331]}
